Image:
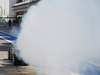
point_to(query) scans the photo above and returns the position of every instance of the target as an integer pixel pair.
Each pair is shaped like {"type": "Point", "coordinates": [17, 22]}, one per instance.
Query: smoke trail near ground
{"type": "Point", "coordinates": [62, 35]}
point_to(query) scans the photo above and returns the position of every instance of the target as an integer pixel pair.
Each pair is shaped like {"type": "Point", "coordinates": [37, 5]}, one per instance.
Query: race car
{"type": "Point", "coordinates": [14, 55]}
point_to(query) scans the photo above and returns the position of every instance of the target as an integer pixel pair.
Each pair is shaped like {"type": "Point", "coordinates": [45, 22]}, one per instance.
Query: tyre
{"type": "Point", "coordinates": [16, 62]}
{"type": "Point", "coordinates": [9, 54]}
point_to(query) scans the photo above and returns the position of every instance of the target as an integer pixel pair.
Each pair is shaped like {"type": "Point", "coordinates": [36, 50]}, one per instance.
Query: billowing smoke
{"type": "Point", "coordinates": [62, 35]}
{"type": "Point", "coordinates": [15, 30]}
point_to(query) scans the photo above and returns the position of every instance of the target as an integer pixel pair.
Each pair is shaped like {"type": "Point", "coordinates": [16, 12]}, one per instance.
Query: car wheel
{"type": "Point", "coordinates": [15, 60]}
{"type": "Point", "coordinates": [9, 53]}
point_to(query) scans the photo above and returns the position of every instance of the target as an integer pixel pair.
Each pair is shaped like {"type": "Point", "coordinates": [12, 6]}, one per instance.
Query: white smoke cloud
{"type": "Point", "coordinates": [15, 30]}
{"type": "Point", "coordinates": [61, 35]}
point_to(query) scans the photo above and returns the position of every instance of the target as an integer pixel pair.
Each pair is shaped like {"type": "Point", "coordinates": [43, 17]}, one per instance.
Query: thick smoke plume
{"type": "Point", "coordinates": [62, 35]}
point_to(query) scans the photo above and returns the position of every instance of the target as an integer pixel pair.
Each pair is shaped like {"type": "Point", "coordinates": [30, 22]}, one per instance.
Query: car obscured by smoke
{"type": "Point", "coordinates": [14, 55]}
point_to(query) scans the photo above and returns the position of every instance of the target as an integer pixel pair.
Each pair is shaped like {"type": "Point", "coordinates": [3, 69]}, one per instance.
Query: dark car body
{"type": "Point", "coordinates": [14, 55]}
